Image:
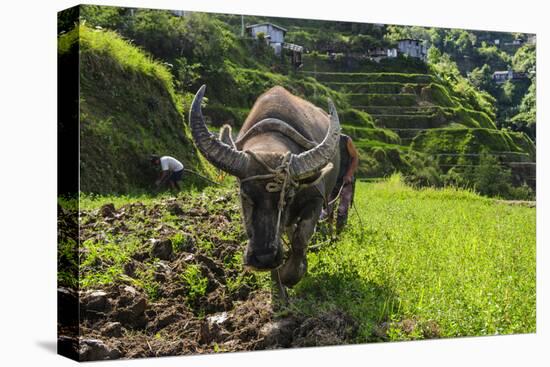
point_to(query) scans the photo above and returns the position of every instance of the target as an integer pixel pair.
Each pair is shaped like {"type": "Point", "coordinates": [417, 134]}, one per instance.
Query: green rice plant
{"type": "Point", "coordinates": [102, 262]}
{"type": "Point", "coordinates": [195, 282]}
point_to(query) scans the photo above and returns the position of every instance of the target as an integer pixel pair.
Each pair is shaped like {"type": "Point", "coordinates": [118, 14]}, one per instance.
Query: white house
{"type": "Point", "coordinates": [413, 48]}
{"type": "Point", "coordinates": [273, 34]}
{"type": "Point", "coordinates": [378, 53]}
{"type": "Point", "coordinates": [500, 77]}
{"type": "Point", "coordinates": [391, 52]}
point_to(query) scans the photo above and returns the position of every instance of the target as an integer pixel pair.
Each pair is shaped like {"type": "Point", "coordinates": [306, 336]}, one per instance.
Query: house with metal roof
{"type": "Point", "coordinates": [274, 35]}
{"type": "Point", "coordinates": [500, 77]}
{"type": "Point", "coordinates": [413, 48]}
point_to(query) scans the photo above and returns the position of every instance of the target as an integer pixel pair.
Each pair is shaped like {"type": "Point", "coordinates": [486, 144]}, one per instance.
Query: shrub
{"type": "Point", "coordinates": [489, 178]}
{"type": "Point", "coordinates": [423, 171]}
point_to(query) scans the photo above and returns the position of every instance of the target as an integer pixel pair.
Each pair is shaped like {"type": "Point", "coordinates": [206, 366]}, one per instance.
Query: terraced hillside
{"type": "Point", "coordinates": [416, 114]}
{"type": "Point", "coordinates": [404, 114]}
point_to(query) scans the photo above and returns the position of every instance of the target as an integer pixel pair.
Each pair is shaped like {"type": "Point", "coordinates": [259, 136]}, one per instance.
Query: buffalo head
{"type": "Point", "coordinates": [261, 202]}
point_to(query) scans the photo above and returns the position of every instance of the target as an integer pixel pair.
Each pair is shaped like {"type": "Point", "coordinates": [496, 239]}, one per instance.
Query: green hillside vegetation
{"type": "Point", "coordinates": [128, 110]}
{"type": "Point", "coordinates": [478, 54]}
{"type": "Point", "coordinates": [318, 62]}
{"type": "Point", "coordinates": [202, 49]}
{"type": "Point", "coordinates": [391, 108]}
{"type": "Point", "coordinates": [421, 110]}
{"type": "Point", "coordinates": [525, 117]}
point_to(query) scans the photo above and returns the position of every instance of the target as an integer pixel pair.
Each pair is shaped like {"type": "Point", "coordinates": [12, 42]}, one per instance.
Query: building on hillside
{"type": "Point", "coordinates": [500, 77]}
{"type": "Point", "coordinates": [274, 36]}
{"type": "Point", "coordinates": [378, 53]}
{"type": "Point", "coordinates": [518, 42]}
{"type": "Point", "coordinates": [295, 52]}
{"type": "Point", "coordinates": [412, 48]}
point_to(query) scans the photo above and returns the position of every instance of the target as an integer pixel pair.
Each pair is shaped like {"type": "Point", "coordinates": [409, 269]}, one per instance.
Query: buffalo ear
{"type": "Point", "coordinates": [313, 180]}
{"type": "Point", "coordinates": [225, 136]}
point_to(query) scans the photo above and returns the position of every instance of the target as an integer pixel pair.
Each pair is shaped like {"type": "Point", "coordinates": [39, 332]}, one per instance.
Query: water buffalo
{"type": "Point", "coordinates": [286, 160]}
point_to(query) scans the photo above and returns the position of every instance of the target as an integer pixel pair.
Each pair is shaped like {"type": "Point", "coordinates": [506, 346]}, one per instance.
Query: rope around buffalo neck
{"type": "Point", "coordinates": [281, 181]}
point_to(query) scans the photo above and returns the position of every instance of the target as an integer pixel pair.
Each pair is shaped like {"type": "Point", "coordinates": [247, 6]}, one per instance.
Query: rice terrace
{"type": "Point", "coordinates": [438, 240]}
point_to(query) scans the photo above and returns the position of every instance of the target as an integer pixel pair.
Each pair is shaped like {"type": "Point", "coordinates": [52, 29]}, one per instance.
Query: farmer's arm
{"type": "Point", "coordinates": [354, 155]}
{"type": "Point", "coordinates": [163, 176]}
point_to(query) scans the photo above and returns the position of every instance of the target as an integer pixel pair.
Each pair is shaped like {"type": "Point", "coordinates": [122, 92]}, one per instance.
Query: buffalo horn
{"type": "Point", "coordinates": [221, 155]}
{"type": "Point", "coordinates": [310, 162]}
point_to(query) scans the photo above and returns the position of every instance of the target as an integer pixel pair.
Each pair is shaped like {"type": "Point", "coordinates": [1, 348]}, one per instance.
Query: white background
{"type": "Point", "coordinates": [28, 181]}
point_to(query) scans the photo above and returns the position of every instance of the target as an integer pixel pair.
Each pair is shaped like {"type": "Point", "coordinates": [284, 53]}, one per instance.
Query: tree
{"type": "Point", "coordinates": [526, 119]}
{"type": "Point", "coordinates": [492, 56]}
{"type": "Point", "coordinates": [525, 59]}
{"type": "Point", "coordinates": [482, 78]}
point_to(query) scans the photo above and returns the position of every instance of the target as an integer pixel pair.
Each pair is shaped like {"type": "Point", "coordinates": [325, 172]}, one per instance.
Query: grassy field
{"type": "Point", "coordinates": [417, 264]}
{"type": "Point", "coordinates": [429, 263]}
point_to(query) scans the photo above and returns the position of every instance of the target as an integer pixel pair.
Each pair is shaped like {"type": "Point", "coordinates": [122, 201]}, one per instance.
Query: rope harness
{"type": "Point", "coordinates": [336, 197]}
{"type": "Point", "coordinates": [281, 181]}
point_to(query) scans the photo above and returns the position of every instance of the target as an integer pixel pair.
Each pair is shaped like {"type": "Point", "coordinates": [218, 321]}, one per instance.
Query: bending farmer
{"type": "Point", "coordinates": [345, 184]}
{"type": "Point", "coordinates": [171, 170]}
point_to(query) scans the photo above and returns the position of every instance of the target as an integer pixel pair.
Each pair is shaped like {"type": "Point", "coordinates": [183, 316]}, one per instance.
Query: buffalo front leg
{"type": "Point", "coordinates": [296, 266]}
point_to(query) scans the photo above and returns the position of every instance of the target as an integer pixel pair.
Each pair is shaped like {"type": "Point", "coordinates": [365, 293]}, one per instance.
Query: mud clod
{"type": "Point", "coordinates": [96, 300]}
{"type": "Point", "coordinates": [162, 249]}
{"type": "Point", "coordinates": [279, 333]}
{"type": "Point", "coordinates": [94, 349]}
{"type": "Point", "coordinates": [168, 317]}
{"type": "Point", "coordinates": [130, 269]}
{"type": "Point", "coordinates": [112, 329]}
{"type": "Point", "coordinates": [174, 209]}
{"type": "Point", "coordinates": [331, 328]}
{"type": "Point", "coordinates": [107, 210]}
{"type": "Point", "coordinates": [130, 310]}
